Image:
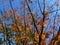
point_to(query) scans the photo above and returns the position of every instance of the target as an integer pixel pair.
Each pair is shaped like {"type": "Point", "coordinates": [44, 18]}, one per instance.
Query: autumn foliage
{"type": "Point", "coordinates": [29, 27]}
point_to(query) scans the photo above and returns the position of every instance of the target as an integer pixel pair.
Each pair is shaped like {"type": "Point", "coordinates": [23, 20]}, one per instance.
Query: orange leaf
{"type": "Point", "coordinates": [44, 24]}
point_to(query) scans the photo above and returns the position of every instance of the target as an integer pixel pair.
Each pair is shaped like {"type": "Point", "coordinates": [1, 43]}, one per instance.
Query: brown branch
{"type": "Point", "coordinates": [53, 29]}
{"type": "Point", "coordinates": [39, 6]}
{"type": "Point", "coordinates": [13, 13]}
{"type": "Point", "coordinates": [54, 11]}
{"type": "Point", "coordinates": [32, 17]}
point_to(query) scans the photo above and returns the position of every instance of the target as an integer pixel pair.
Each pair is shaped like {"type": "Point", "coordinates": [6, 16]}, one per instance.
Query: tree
{"type": "Point", "coordinates": [30, 26]}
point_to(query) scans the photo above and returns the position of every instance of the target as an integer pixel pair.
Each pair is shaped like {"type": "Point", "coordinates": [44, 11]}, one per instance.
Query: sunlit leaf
{"type": "Point", "coordinates": [44, 24]}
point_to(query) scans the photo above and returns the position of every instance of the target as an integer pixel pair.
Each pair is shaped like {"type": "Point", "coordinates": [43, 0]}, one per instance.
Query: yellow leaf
{"type": "Point", "coordinates": [28, 38]}
{"type": "Point", "coordinates": [43, 36]}
{"type": "Point", "coordinates": [20, 28]}
{"type": "Point", "coordinates": [17, 38]}
{"type": "Point", "coordinates": [36, 36]}
{"type": "Point", "coordinates": [44, 24]}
